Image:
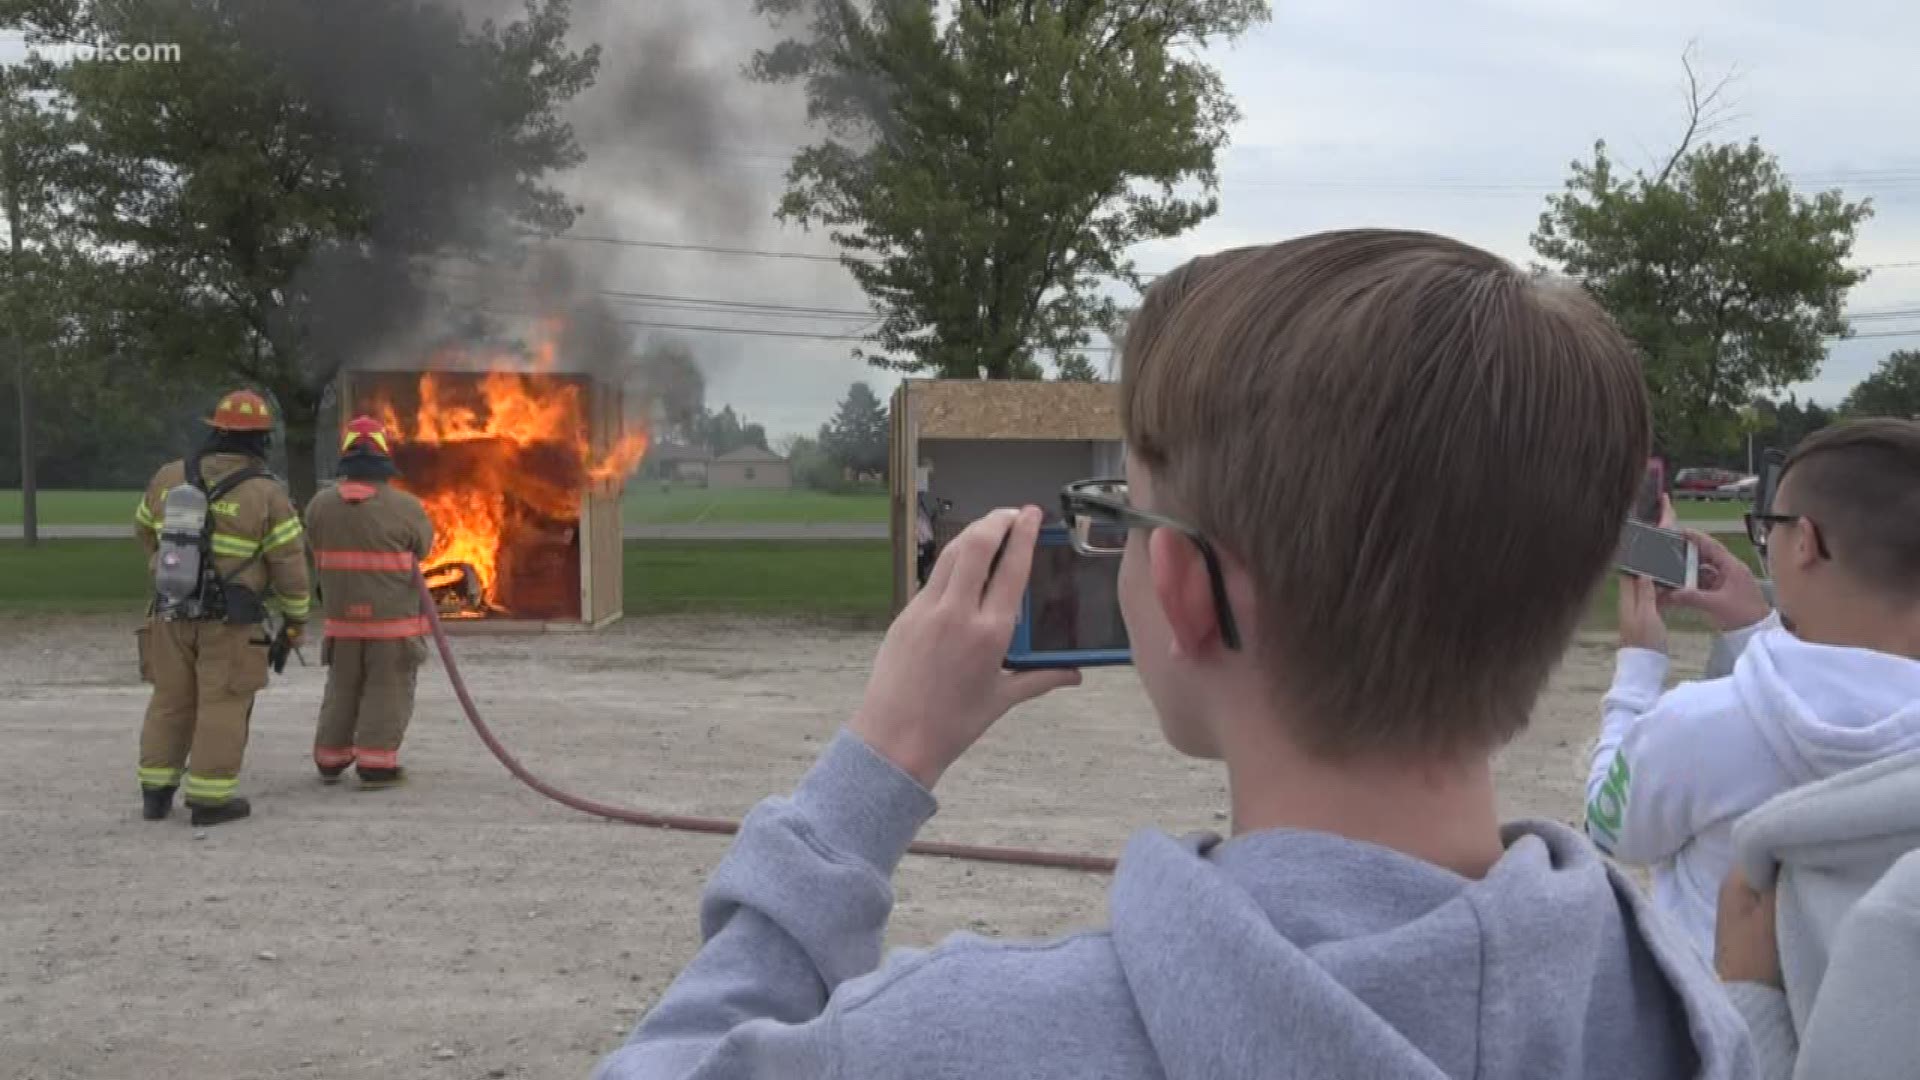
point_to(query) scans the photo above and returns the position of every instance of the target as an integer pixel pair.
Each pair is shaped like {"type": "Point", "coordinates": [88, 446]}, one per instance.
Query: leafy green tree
{"type": "Point", "coordinates": [25, 202]}
{"type": "Point", "coordinates": [275, 198]}
{"type": "Point", "coordinates": [812, 467]}
{"type": "Point", "coordinates": [1075, 367]}
{"type": "Point", "coordinates": [1797, 422]}
{"type": "Point", "coordinates": [671, 383]}
{"type": "Point", "coordinates": [1728, 281]}
{"type": "Point", "coordinates": [725, 431]}
{"type": "Point", "coordinates": [988, 163]}
{"type": "Point", "coordinates": [1892, 390]}
{"type": "Point", "coordinates": [856, 437]}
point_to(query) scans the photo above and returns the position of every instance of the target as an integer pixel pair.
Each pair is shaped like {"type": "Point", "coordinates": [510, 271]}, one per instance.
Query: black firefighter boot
{"type": "Point", "coordinates": [157, 802]}
{"type": "Point", "coordinates": [220, 813]}
{"type": "Point", "coordinates": [376, 779]}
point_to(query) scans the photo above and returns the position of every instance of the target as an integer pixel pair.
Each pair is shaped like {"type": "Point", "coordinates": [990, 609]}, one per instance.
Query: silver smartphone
{"type": "Point", "coordinates": [1663, 555]}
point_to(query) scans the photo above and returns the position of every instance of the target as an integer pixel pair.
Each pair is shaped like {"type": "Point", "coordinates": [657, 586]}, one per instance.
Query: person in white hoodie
{"type": "Point", "coordinates": [1819, 926]}
{"type": "Point", "coordinates": [1830, 684]}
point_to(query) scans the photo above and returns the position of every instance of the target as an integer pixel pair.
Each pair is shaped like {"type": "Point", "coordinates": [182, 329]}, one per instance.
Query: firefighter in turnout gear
{"type": "Point", "coordinates": [368, 540]}
{"type": "Point", "coordinates": [227, 553]}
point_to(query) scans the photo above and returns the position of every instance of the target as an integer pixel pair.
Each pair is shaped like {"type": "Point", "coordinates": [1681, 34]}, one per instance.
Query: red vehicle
{"type": "Point", "coordinates": [1702, 483]}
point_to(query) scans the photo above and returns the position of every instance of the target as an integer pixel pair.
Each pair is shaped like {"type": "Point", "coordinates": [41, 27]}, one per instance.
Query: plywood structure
{"type": "Point", "coordinates": [597, 542]}
{"type": "Point", "coordinates": [991, 443]}
{"type": "Point", "coordinates": [1009, 409]}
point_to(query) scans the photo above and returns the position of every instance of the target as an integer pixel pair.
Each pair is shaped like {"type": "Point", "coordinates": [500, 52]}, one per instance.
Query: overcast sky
{"type": "Point", "coordinates": [1459, 118]}
{"type": "Point", "coordinates": [1456, 117]}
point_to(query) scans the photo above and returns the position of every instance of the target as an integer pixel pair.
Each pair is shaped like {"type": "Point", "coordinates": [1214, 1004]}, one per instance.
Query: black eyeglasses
{"type": "Point", "coordinates": [1099, 518]}
{"type": "Point", "coordinates": [1759, 526]}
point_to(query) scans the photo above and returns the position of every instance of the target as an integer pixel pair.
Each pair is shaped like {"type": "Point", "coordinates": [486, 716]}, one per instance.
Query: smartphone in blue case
{"type": "Point", "coordinates": [1070, 615]}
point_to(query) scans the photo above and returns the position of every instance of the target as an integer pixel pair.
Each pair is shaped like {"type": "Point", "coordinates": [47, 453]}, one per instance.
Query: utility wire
{"type": "Point", "coordinates": [764, 253]}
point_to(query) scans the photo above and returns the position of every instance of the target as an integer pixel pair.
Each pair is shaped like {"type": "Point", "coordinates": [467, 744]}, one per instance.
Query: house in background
{"type": "Point", "coordinates": [749, 467]}
{"type": "Point", "coordinates": [678, 462]}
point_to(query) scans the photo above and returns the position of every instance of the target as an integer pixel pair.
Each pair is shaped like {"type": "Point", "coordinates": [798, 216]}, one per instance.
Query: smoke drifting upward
{"type": "Point", "coordinates": [682, 148]}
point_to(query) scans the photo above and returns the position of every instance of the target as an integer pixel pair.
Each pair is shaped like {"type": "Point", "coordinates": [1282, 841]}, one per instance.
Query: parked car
{"type": "Point", "coordinates": [1702, 483]}
{"type": "Point", "coordinates": [1742, 489]}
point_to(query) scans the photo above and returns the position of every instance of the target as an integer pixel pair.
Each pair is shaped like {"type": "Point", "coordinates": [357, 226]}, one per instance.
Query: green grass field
{"type": "Point", "coordinates": [1711, 510]}
{"type": "Point", "coordinates": [826, 579]}
{"type": "Point", "coordinates": [840, 580]}
{"type": "Point", "coordinates": [79, 576]}
{"type": "Point", "coordinates": [651, 505]}
{"type": "Point", "coordinates": [73, 507]}
{"type": "Point", "coordinates": [820, 579]}
{"type": "Point", "coordinates": [644, 505]}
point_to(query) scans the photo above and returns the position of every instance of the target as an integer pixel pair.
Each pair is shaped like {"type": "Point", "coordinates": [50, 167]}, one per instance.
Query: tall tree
{"type": "Point", "coordinates": [670, 381]}
{"type": "Point", "coordinates": [810, 465]}
{"type": "Point", "coordinates": [1075, 367]}
{"type": "Point", "coordinates": [1892, 390]}
{"type": "Point", "coordinates": [856, 437]}
{"type": "Point", "coordinates": [726, 431]}
{"type": "Point", "coordinates": [29, 151]}
{"type": "Point", "coordinates": [1727, 280]}
{"type": "Point", "coordinates": [275, 200]}
{"type": "Point", "coordinates": [1793, 422]}
{"type": "Point", "coordinates": [988, 163]}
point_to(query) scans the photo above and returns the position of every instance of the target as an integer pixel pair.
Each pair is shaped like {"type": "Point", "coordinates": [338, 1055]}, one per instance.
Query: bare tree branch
{"type": "Point", "coordinates": [1709, 109]}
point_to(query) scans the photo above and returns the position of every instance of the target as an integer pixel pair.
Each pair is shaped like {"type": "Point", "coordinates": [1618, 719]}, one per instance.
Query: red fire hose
{"type": "Point", "coordinates": [720, 826]}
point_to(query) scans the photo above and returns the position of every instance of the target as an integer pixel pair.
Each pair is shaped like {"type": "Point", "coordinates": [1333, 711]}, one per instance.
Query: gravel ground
{"type": "Point", "coordinates": [462, 926]}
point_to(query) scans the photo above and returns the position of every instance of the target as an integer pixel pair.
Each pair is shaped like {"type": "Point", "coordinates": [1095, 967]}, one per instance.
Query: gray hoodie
{"type": "Point", "coordinates": [1274, 954]}
{"type": "Point", "coordinates": [1825, 846]}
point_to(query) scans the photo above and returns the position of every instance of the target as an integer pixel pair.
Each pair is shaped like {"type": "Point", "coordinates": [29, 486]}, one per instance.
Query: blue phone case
{"type": "Point", "coordinates": [1022, 656]}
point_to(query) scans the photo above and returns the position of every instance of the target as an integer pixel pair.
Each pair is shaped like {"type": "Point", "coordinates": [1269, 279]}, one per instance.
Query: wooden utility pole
{"type": "Point", "coordinates": [10, 190]}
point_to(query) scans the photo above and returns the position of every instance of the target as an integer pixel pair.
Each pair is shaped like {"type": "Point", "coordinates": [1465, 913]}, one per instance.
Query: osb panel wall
{"type": "Point", "coordinates": [901, 503]}
{"type": "Point", "coordinates": [605, 593]}
{"type": "Point", "coordinates": [606, 586]}
{"type": "Point", "coordinates": [1014, 409]}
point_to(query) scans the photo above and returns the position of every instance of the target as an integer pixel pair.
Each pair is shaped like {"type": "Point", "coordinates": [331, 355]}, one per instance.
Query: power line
{"type": "Point", "coordinates": [740, 330]}
{"type": "Point", "coordinates": [690, 303]}
{"type": "Point", "coordinates": [763, 253]}
{"type": "Point", "coordinates": [713, 249]}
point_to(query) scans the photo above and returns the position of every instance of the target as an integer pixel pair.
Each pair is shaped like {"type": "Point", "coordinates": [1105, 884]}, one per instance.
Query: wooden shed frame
{"type": "Point", "coordinates": [935, 409]}
{"type": "Point", "coordinates": [601, 537]}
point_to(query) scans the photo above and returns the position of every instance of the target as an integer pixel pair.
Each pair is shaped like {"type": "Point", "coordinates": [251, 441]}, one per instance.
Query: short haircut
{"type": "Point", "coordinates": [1859, 482]}
{"type": "Point", "coordinates": [1423, 457]}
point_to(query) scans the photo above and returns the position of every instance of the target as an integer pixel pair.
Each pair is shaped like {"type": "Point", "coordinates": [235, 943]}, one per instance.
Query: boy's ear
{"type": "Point", "coordinates": [1185, 591]}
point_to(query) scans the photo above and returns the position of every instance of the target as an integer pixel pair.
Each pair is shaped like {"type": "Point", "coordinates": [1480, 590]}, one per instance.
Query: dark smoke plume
{"type": "Point", "coordinates": [678, 147]}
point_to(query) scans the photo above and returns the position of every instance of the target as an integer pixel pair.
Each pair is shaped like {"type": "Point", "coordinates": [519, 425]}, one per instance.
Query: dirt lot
{"type": "Point", "coordinates": [463, 927]}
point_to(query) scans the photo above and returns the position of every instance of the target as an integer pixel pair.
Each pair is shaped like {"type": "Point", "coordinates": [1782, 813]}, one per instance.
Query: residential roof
{"type": "Point", "coordinates": [670, 452]}
{"type": "Point", "coordinates": [750, 454]}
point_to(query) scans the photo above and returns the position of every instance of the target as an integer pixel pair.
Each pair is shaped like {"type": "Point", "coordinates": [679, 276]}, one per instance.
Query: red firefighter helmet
{"type": "Point", "coordinates": [365, 435]}
{"type": "Point", "coordinates": [242, 410]}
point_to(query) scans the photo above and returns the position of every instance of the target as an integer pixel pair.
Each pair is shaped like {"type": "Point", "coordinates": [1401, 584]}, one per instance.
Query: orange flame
{"type": "Point", "coordinates": [502, 458]}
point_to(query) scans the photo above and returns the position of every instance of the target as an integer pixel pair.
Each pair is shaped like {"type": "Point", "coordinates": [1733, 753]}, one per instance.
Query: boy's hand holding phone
{"type": "Point", "coordinates": [1728, 595]}
{"type": "Point", "coordinates": [938, 683]}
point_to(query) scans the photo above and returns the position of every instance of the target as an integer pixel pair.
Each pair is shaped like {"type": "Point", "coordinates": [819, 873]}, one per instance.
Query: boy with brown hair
{"type": "Point", "coordinates": [1374, 478]}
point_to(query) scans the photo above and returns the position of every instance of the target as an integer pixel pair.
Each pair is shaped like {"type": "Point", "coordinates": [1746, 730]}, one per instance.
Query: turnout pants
{"type": "Point", "coordinates": [204, 677]}
{"type": "Point", "coordinates": [368, 703]}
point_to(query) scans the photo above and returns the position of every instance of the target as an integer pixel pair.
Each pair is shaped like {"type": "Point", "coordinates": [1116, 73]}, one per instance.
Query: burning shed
{"type": "Point", "coordinates": [521, 470]}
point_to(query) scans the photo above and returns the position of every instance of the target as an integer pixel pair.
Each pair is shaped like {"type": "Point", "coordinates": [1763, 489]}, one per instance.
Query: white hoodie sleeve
{"type": "Point", "coordinates": [1637, 678]}
{"type": "Point", "coordinates": [1668, 766]}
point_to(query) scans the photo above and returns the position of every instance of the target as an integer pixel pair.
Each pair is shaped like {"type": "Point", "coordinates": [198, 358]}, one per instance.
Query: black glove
{"type": "Point", "coordinates": [283, 645]}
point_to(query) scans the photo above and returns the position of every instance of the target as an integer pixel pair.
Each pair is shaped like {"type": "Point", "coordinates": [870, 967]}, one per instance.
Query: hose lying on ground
{"type": "Point", "coordinates": [720, 826]}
